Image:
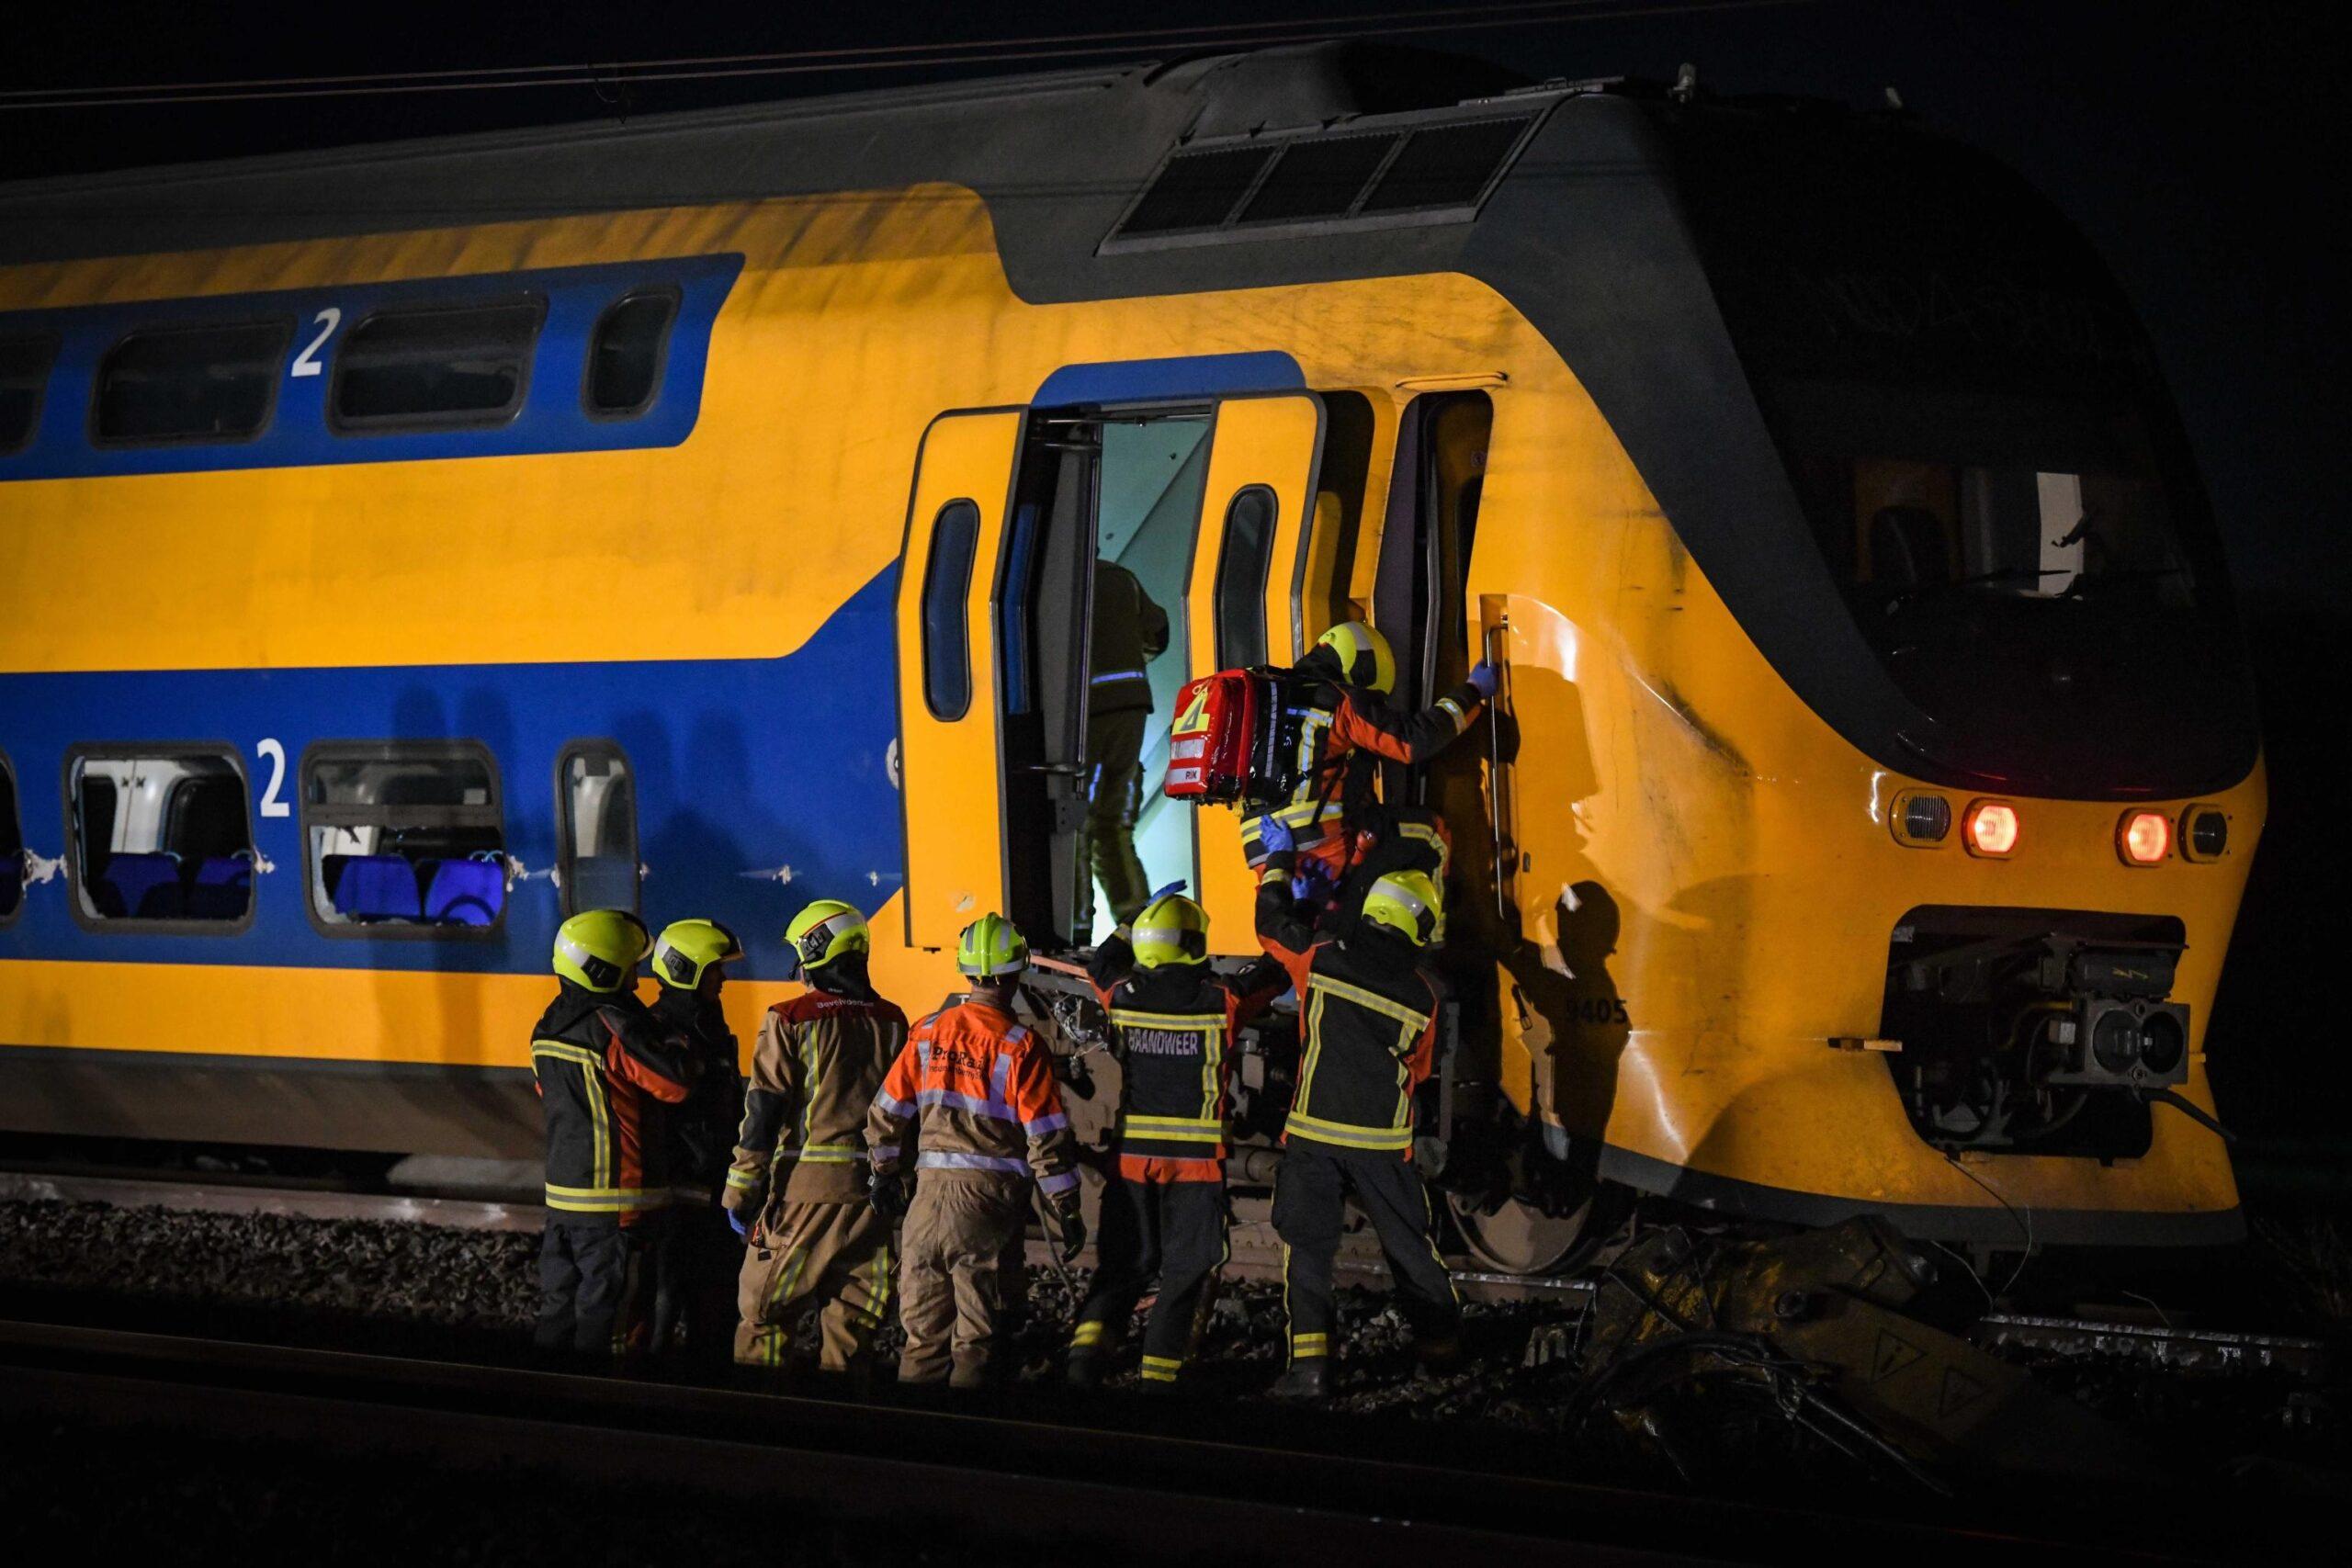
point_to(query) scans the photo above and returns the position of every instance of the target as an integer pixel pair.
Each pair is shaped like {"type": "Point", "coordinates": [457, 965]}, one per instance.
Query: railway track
{"type": "Point", "coordinates": [938, 1475]}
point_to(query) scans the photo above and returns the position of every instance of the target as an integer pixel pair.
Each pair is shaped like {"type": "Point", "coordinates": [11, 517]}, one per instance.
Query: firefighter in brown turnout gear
{"type": "Point", "coordinates": [1129, 631]}
{"type": "Point", "coordinates": [1368, 1006]}
{"type": "Point", "coordinates": [815, 1241]}
{"type": "Point", "coordinates": [697, 1258]}
{"type": "Point", "coordinates": [602, 1069]}
{"type": "Point", "coordinates": [976, 1090]}
{"type": "Point", "coordinates": [1173, 1023]}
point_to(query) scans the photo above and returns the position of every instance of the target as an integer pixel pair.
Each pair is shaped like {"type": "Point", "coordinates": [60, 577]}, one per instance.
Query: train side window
{"type": "Point", "coordinates": [597, 797]}
{"type": "Point", "coordinates": [12, 847]}
{"type": "Point", "coordinates": [189, 384]}
{"type": "Point", "coordinates": [947, 586]}
{"type": "Point", "coordinates": [1241, 566]}
{"type": "Point", "coordinates": [160, 834]}
{"type": "Point", "coordinates": [626, 355]}
{"type": "Point", "coordinates": [1330, 580]}
{"type": "Point", "coordinates": [25, 364]}
{"type": "Point", "coordinates": [403, 839]}
{"type": "Point", "coordinates": [439, 368]}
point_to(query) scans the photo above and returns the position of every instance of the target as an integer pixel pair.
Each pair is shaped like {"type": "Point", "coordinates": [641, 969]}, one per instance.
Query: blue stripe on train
{"type": "Point", "coordinates": [552, 418]}
{"type": "Point", "coordinates": [1161, 381]}
{"type": "Point", "coordinates": [743, 767]}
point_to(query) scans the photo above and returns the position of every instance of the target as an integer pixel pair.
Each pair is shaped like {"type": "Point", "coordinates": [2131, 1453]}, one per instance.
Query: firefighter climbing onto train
{"type": "Point", "coordinates": [814, 1239]}
{"type": "Point", "coordinates": [1128, 630]}
{"type": "Point", "coordinates": [1369, 1006]}
{"type": "Point", "coordinates": [973, 1089]}
{"type": "Point", "coordinates": [1345, 724]}
{"type": "Point", "coordinates": [696, 1259]}
{"type": "Point", "coordinates": [602, 1068]}
{"type": "Point", "coordinates": [1173, 1022]}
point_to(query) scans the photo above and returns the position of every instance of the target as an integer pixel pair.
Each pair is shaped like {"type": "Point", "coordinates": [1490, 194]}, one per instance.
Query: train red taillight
{"type": "Point", "coordinates": [2143, 838]}
{"type": "Point", "coordinates": [1990, 828]}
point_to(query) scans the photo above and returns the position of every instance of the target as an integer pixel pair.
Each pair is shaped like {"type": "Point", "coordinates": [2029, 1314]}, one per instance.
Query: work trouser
{"type": "Point", "coordinates": [961, 1275]}
{"type": "Point", "coordinates": [696, 1259]}
{"type": "Point", "coordinates": [1311, 1189]}
{"type": "Point", "coordinates": [1174, 1230]}
{"type": "Point", "coordinates": [594, 1287]}
{"type": "Point", "coordinates": [1114, 798]}
{"type": "Point", "coordinates": [806, 1254]}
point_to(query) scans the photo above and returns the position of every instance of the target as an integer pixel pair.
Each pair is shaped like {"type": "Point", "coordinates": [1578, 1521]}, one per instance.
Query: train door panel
{"type": "Point", "coordinates": [1256, 509]}
{"type": "Point", "coordinates": [948, 673]}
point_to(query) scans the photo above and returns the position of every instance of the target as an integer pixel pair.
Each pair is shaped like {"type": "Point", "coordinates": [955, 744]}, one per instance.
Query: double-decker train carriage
{"type": "Point", "coordinates": [409, 545]}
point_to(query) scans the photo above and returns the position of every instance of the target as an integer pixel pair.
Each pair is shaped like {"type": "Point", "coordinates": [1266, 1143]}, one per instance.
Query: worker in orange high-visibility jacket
{"type": "Point", "coordinates": [976, 1090]}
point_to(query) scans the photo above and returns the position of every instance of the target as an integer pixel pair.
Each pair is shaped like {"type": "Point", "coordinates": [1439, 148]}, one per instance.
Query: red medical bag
{"type": "Point", "coordinates": [1237, 736]}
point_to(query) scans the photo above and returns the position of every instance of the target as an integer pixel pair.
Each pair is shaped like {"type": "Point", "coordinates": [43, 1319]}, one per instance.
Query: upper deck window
{"type": "Point", "coordinates": [625, 360]}
{"type": "Point", "coordinates": [160, 834]}
{"type": "Point", "coordinates": [189, 384]}
{"type": "Point", "coordinates": [404, 836]}
{"type": "Point", "coordinates": [442, 368]}
{"type": "Point", "coordinates": [24, 376]}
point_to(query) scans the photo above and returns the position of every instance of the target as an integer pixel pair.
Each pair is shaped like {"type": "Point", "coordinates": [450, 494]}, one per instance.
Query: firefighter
{"type": "Point", "coordinates": [601, 1067]}
{"type": "Point", "coordinates": [1369, 1006]}
{"type": "Point", "coordinates": [1350, 726]}
{"type": "Point", "coordinates": [815, 1239]}
{"type": "Point", "coordinates": [1173, 1023]}
{"type": "Point", "coordinates": [696, 1259]}
{"type": "Point", "coordinates": [1129, 632]}
{"type": "Point", "coordinates": [977, 1091]}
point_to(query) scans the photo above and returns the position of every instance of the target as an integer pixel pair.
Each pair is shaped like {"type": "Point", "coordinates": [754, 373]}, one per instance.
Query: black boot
{"type": "Point", "coordinates": [1309, 1378]}
{"type": "Point", "coordinates": [1085, 1368]}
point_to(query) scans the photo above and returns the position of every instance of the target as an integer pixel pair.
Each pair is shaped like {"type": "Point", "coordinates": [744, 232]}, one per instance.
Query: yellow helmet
{"type": "Point", "coordinates": [991, 945]}
{"type": "Point", "coordinates": [826, 929]}
{"type": "Point", "coordinates": [1365, 657]}
{"type": "Point", "coordinates": [1171, 929]}
{"type": "Point", "coordinates": [600, 948]}
{"type": "Point", "coordinates": [687, 949]}
{"type": "Point", "coordinates": [1407, 901]}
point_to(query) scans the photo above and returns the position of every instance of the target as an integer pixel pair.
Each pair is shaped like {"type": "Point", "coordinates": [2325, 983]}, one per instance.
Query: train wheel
{"type": "Point", "coordinates": [1520, 1238]}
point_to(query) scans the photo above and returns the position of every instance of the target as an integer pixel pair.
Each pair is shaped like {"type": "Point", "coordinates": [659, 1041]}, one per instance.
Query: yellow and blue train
{"type": "Point", "coordinates": [407, 546]}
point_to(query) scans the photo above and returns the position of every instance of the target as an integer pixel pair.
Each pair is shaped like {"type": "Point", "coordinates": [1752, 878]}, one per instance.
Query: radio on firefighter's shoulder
{"type": "Point", "coordinates": [1239, 738]}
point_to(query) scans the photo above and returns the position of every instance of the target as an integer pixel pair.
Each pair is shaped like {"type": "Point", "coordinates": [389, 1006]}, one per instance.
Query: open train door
{"type": "Point", "coordinates": [1243, 607]}
{"type": "Point", "coordinates": [948, 776]}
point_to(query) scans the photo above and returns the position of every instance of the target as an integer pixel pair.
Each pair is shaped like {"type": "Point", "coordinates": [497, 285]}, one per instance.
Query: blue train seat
{"type": "Point", "coordinates": [463, 892]}
{"type": "Point", "coordinates": [372, 888]}
{"type": "Point", "coordinates": [221, 889]}
{"type": "Point", "coordinates": [146, 886]}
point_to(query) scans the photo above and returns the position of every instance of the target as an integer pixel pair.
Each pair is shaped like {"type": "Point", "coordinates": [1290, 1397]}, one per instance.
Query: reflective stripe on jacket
{"type": "Point", "coordinates": [815, 1070]}
{"type": "Point", "coordinates": [977, 1091]}
{"type": "Point", "coordinates": [603, 1072]}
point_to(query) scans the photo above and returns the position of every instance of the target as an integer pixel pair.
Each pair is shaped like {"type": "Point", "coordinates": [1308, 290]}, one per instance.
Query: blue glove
{"type": "Point", "coordinates": [1159, 892]}
{"type": "Point", "coordinates": [1486, 677]}
{"type": "Point", "coordinates": [1312, 883]}
{"type": "Point", "coordinates": [1274, 834]}
{"type": "Point", "coordinates": [739, 1222]}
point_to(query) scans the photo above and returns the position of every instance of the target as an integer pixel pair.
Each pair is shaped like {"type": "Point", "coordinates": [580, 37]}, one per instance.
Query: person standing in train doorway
{"type": "Point", "coordinates": [600, 1067]}
{"type": "Point", "coordinates": [814, 1240]}
{"type": "Point", "coordinates": [1129, 632]}
{"type": "Point", "coordinates": [697, 1258]}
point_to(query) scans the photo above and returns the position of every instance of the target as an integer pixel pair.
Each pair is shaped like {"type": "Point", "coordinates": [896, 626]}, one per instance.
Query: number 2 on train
{"type": "Point", "coordinates": [307, 363]}
{"type": "Point", "coordinates": [272, 753]}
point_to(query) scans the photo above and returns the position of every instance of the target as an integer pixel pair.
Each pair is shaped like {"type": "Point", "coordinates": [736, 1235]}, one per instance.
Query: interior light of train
{"type": "Point", "coordinates": [2204, 833]}
{"type": "Point", "coordinates": [2143, 838]}
{"type": "Point", "coordinates": [1990, 829]}
{"type": "Point", "coordinates": [1920, 819]}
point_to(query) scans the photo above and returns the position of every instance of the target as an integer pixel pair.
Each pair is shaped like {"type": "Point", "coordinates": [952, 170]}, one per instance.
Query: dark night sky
{"type": "Point", "coordinates": [2195, 142]}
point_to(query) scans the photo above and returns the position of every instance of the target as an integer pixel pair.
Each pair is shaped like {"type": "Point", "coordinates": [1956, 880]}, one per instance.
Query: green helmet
{"type": "Point", "coordinates": [1365, 657]}
{"type": "Point", "coordinates": [990, 946]}
{"type": "Point", "coordinates": [1407, 901]}
{"type": "Point", "coordinates": [600, 948]}
{"type": "Point", "coordinates": [1171, 929]}
{"type": "Point", "coordinates": [688, 948]}
{"type": "Point", "coordinates": [826, 929]}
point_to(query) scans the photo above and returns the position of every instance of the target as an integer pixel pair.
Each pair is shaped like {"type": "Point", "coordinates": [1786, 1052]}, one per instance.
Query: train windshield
{"type": "Point", "coordinates": [1986, 457]}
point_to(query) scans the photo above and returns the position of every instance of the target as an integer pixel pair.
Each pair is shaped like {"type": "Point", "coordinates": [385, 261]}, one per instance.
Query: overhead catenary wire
{"type": "Point", "coordinates": [896, 57]}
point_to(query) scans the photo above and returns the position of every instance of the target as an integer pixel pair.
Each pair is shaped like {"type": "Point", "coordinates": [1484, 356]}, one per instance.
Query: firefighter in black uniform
{"type": "Point", "coordinates": [602, 1069]}
{"type": "Point", "coordinates": [1369, 1006]}
{"type": "Point", "coordinates": [1129, 632]}
{"type": "Point", "coordinates": [698, 1255]}
{"type": "Point", "coordinates": [1173, 1023]}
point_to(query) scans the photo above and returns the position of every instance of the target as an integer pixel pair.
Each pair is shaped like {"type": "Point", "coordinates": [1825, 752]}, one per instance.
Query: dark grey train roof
{"type": "Point", "coordinates": [1585, 235]}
